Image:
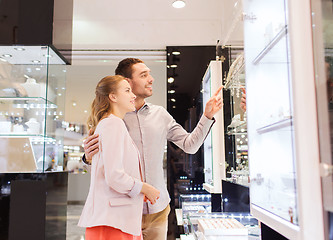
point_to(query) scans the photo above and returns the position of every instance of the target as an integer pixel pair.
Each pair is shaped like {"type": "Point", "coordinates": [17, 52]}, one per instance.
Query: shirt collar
{"type": "Point", "coordinates": [145, 106]}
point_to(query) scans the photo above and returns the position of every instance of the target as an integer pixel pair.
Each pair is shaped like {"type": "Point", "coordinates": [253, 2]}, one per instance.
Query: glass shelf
{"type": "Point", "coordinates": [283, 32]}
{"type": "Point", "coordinates": [30, 102]}
{"type": "Point", "coordinates": [34, 137]}
{"type": "Point", "coordinates": [239, 130]}
{"type": "Point", "coordinates": [276, 125]}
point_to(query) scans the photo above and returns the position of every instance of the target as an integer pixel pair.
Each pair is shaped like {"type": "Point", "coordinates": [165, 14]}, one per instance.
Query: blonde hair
{"type": "Point", "coordinates": [101, 106]}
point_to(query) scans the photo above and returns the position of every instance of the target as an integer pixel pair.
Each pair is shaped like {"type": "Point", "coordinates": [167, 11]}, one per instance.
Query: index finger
{"type": "Point", "coordinates": [218, 90]}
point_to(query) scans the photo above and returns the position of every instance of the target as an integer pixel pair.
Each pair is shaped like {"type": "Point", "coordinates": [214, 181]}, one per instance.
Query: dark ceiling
{"type": "Point", "coordinates": [192, 63]}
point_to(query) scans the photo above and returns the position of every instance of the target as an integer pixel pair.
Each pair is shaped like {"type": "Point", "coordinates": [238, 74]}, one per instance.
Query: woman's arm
{"type": "Point", "coordinates": [112, 148]}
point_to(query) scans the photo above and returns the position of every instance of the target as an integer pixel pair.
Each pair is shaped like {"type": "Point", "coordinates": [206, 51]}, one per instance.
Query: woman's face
{"type": "Point", "coordinates": [124, 97]}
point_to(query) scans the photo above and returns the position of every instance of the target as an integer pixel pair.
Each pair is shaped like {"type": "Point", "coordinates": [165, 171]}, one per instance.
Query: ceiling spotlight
{"type": "Point", "coordinates": [19, 49]}
{"type": "Point", "coordinates": [7, 55]}
{"type": "Point", "coordinates": [178, 4]}
{"type": "Point", "coordinates": [171, 80]}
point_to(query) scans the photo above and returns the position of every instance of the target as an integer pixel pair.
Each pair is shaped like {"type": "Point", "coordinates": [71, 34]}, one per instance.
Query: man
{"type": "Point", "coordinates": [150, 126]}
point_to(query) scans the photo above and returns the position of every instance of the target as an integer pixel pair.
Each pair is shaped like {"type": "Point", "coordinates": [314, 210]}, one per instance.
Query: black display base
{"type": "Point", "coordinates": [216, 202]}
{"type": "Point", "coordinates": [33, 206]}
{"type": "Point", "coordinates": [269, 234]}
{"type": "Point", "coordinates": [330, 215]}
{"type": "Point", "coordinates": [236, 198]}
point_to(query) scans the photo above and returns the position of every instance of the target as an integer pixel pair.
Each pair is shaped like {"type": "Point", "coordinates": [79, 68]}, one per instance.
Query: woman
{"type": "Point", "coordinates": [113, 209]}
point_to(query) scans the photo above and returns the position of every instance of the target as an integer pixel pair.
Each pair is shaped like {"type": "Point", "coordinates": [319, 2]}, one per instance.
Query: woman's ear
{"type": "Point", "coordinates": [112, 97]}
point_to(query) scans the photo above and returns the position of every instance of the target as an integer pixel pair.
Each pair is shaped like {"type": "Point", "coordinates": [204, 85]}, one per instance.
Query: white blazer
{"type": "Point", "coordinates": [114, 197]}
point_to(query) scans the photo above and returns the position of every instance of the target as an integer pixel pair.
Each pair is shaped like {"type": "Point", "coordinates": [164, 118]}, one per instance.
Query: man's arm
{"type": "Point", "coordinates": [191, 142]}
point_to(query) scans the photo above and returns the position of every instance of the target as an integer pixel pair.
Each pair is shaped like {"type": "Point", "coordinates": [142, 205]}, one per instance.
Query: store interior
{"type": "Point", "coordinates": [49, 71]}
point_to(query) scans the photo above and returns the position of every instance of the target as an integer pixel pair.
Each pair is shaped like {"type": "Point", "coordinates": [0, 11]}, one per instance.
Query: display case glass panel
{"type": "Point", "coordinates": [214, 153]}
{"type": "Point", "coordinates": [208, 149]}
{"type": "Point", "coordinates": [269, 109]}
{"type": "Point", "coordinates": [323, 53]}
{"type": "Point", "coordinates": [32, 92]}
{"type": "Point", "coordinates": [237, 170]}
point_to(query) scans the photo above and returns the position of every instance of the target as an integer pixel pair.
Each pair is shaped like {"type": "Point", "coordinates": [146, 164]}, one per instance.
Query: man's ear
{"type": "Point", "coordinates": [112, 97]}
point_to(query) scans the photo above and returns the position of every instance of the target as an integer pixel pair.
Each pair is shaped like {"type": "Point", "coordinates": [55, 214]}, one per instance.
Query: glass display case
{"type": "Point", "coordinates": [285, 190]}
{"type": "Point", "coordinates": [195, 203]}
{"type": "Point", "coordinates": [32, 100]}
{"type": "Point", "coordinates": [270, 112]}
{"type": "Point", "coordinates": [237, 170]}
{"type": "Point", "coordinates": [231, 226]}
{"type": "Point", "coordinates": [214, 154]}
{"type": "Point", "coordinates": [196, 210]}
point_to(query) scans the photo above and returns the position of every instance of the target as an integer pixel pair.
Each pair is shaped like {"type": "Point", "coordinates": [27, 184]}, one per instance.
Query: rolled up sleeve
{"type": "Point", "coordinates": [189, 142]}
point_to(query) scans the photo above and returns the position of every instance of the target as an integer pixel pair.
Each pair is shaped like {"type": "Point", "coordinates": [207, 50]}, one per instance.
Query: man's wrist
{"type": "Point", "coordinates": [206, 115]}
{"type": "Point", "coordinates": [84, 159]}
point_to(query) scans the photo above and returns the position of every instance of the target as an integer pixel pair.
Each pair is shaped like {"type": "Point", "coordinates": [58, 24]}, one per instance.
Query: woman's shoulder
{"type": "Point", "coordinates": [111, 122]}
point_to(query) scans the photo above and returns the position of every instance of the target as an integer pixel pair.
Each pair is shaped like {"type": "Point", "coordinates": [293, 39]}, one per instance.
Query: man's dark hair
{"type": "Point", "coordinates": [124, 67]}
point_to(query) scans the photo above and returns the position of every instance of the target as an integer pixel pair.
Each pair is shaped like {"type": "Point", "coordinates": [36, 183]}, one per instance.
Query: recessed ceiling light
{"type": "Point", "coordinates": [7, 55]}
{"type": "Point", "coordinates": [4, 60]}
{"type": "Point", "coordinates": [173, 66]}
{"type": "Point", "coordinates": [35, 61]}
{"type": "Point", "coordinates": [173, 100]}
{"type": "Point", "coordinates": [178, 4]}
{"type": "Point", "coordinates": [171, 80]}
{"type": "Point", "coordinates": [171, 91]}
{"type": "Point", "coordinates": [19, 49]}
{"type": "Point", "coordinates": [47, 55]}
{"type": "Point", "coordinates": [37, 69]}
{"type": "Point", "coordinates": [176, 53]}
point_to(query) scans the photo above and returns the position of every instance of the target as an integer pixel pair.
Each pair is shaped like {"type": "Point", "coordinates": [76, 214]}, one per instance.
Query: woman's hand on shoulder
{"type": "Point", "coordinates": [91, 146]}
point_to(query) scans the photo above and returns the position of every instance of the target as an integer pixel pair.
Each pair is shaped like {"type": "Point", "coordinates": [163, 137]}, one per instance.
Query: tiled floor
{"type": "Point", "coordinates": [73, 231]}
